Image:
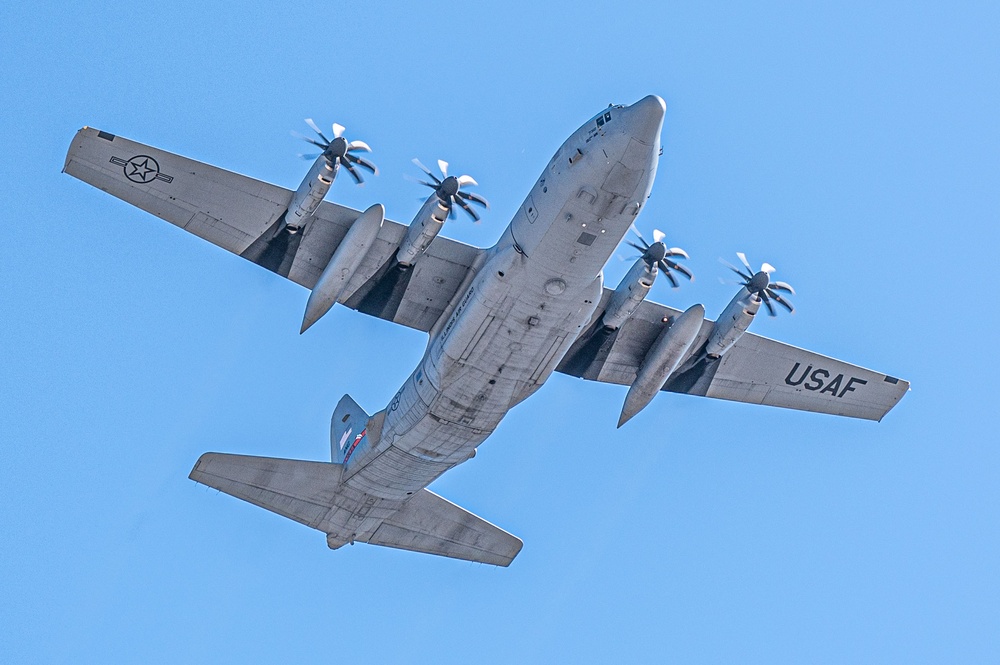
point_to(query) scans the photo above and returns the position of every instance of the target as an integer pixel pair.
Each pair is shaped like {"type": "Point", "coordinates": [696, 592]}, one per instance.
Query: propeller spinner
{"type": "Point", "coordinates": [760, 284]}
{"type": "Point", "coordinates": [339, 151]}
{"type": "Point", "coordinates": [449, 189]}
{"type": "Point", "coordinates": [658, 255]}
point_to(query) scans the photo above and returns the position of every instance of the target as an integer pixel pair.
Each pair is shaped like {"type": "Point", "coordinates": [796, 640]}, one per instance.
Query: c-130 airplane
{"type": "Point", "coordinates": [500, 320]}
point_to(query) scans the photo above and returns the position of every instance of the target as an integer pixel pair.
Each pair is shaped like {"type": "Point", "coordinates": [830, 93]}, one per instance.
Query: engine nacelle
{"type": "Point", "coordinates": [732, 323]}
{"type": "Point", "coordinates": [345, 260]}
{"type": "Point", "coordinates": [629, 294]}
{"type": "Point", "coordinates": [662, 360]}
{"type": "Point", "coordinates": [422, 230]}
{"type": "Point", "coordinates": [310, 193]}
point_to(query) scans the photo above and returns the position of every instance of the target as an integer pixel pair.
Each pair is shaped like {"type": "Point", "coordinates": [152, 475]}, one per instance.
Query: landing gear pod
{"type": "Point", "coordinates": [666, 354]}
{"type": "Point", "coordinates": [343, 263]}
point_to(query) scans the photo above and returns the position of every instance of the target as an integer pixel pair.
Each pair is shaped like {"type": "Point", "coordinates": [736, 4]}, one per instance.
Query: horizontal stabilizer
{"type": "Point", "coordinates": [431, 524]}
{"type": "Point", "coordinates": [296, 489]}
{"type": "Point", "coordinates": [311, 493]}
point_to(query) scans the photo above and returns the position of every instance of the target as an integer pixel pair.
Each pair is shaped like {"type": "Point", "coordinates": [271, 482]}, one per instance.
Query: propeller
{"type": "Point", "coordinates": [449, 189]}
{"type": "Point", "coordinates": [658, 255]}
{"type": "Point", "coordinates": [339, 151]}
{"type": "Point", "coordinates": [760, 283]}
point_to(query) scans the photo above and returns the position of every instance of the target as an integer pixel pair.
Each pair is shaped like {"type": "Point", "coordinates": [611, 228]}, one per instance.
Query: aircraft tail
{"type": "Point", "coordinates": [311, 493]}
{"type": "Point", "coordinates": [315, 494]}
{"type": "Point", "coordinates": [349, 429]}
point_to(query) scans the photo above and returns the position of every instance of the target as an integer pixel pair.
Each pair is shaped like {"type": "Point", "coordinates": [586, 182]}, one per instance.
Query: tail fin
{"type": "Point", "coordinates": [348, 430]}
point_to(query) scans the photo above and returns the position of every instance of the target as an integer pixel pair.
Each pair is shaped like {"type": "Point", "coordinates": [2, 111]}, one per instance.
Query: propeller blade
{"type": "Point", "coordinates": [658, 235]}
{"type": "Point", "coordinates": [645, 245]}
{"type": "Point", "coordinates": [338, 130]}
{"type": "Point", "coordinates": [631, 244]}
{"type": "Point", "coordinates": [464, 180]}
{"type": "Point", "coordinates": [781, 301]}
{"type": "Point", "coordinates": [669, 275]}
{"type": "Point", "coordinates": [766, 267]}
{"type": "Point", "coordinates": [767, 303]}
{"type": "Point", "coordinates": [363, 163]}
{"type": "Point", "coordinates": [735, 269]}
{"type": "Point", "coordinates": [475, 198]}
{"type": "Point", "coordinates": [782, 286]}
{"type": "Point", "coordinates": [443, 165]}
{"type": "Point", "coordinates": [682, 269]}
{"type": "Point", "coordinates": [353, 171]}
{"type": "Point", "coordinates": [427, 171]}
{"type": "Point", "coordinates": [467, 208]}
{"type": "Point", "coordinates": [307, 139]}
{"type": "Point", "coordinates": [309, 157]}
{"type": "Point", "coordinates": [312, 126]}
{"type": "Point", "coordinates": [746, 264]}
{"type": "Point", "coordinates": [677, 251]}
{"type": "Point", "coordinates": [358, 145]}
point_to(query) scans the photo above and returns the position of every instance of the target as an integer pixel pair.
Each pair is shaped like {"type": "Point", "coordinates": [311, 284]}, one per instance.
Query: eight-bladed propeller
{"type": "Point", "coordinates": [658, 255]}
{"type": "Point", "coordinates": [449, 189]}
{"type": "Point", "coordinates": [760, 284]}
{"type": "Point", "coordinates": [338, 152]}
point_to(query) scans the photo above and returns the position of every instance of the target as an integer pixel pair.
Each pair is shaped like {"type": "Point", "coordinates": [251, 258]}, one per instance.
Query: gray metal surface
{"type": "Point", "coordinates": [500, 321]}
{"type": "Point", "coordinates": [243, 216]}
{"type": "Point", "coordinates": [757, 370]}
{"type": "Point", "coordinates": [308, 492]}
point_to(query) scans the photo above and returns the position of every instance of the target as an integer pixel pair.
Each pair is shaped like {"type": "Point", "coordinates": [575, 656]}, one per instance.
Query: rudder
{"type": "Point", "coordinates": [348, 430]}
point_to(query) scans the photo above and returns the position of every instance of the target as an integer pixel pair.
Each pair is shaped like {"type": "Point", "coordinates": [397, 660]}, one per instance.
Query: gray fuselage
{"type": "Point", "coordinates": [522, 307]}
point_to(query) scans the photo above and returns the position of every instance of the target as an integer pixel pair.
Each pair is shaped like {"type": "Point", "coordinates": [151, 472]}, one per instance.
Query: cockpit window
{"type": "Point", "coordinates": [601, 119]}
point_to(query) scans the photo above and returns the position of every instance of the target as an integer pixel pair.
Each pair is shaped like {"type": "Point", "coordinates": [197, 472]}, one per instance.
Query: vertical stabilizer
{"type": "Point", "coordinates": [348, 430]}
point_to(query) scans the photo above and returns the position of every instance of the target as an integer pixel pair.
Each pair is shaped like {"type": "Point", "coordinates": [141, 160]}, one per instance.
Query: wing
{"type": "Point", "coordinates": [244, 216]}
{"type": "Point", "coordinates": [757, 370]}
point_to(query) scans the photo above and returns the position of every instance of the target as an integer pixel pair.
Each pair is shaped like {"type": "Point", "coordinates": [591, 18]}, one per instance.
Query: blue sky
{"type": "Point", "coordinates": [853, 145]}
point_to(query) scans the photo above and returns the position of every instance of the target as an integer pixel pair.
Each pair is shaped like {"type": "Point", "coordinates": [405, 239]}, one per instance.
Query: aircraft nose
{"type": "Point", "coordinates": [646, 118]}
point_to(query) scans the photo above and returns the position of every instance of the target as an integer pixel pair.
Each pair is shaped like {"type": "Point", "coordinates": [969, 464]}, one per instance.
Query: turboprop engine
{"type": "Point", "coordinates": [316, 184]}
{"type": "Point", "coordinates": [438, 207]}
{"type": "Point", "coordinates": [741, 310]}
{"type": "Point", "coordinates": [639, 279]}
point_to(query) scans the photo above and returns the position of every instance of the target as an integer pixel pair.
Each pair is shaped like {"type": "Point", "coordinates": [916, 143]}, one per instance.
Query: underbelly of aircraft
{"type": "Point", "coordinates": [506, 342]}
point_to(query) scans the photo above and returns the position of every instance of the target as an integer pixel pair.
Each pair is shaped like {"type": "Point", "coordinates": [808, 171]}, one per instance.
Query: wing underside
{"type": "Point", "coordinates": [245, 216]}
{"type": "Point", "coordinates": [757, 370]}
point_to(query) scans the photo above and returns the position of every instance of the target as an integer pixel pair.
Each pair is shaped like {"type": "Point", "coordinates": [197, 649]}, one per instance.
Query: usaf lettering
{"type": "Point", "coordinates": [817, 379]}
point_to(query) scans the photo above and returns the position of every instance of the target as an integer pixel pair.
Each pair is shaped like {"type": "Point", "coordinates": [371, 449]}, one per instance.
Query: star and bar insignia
{"type": "Point", "coordinates": [142, 169]}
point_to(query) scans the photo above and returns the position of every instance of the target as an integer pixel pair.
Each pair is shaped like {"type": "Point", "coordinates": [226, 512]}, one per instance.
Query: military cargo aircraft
{"type": "Point", "coordinates": [499, 320]}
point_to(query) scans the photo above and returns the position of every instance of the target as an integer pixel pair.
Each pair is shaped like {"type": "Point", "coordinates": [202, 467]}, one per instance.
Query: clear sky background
{"type": "Point", "coordinates": [854, 145]}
